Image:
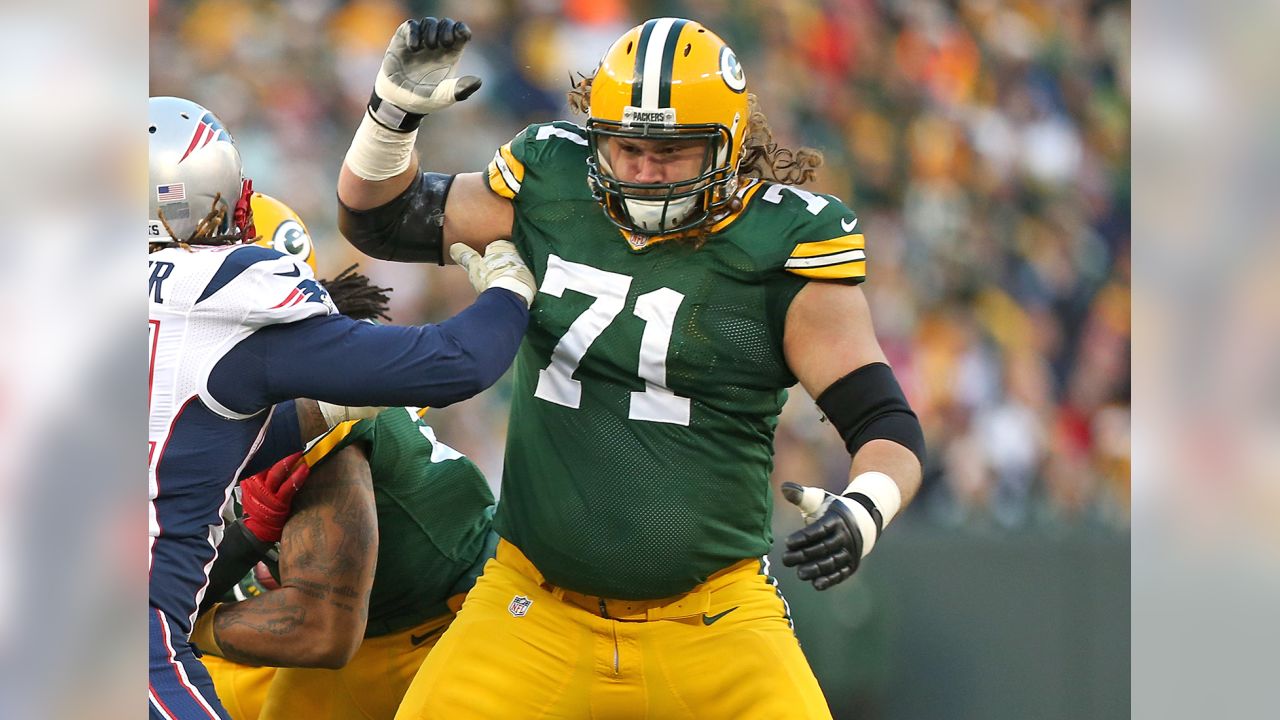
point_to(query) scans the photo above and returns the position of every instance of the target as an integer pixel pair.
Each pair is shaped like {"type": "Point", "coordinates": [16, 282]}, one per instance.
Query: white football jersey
{"type": "Point", "coordinates": [202, 302]}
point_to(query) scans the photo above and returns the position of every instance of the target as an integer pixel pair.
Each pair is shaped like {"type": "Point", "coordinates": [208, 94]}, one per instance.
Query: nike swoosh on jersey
{"type": "Point", "coordinates": [708, 619]}
{"type": "Point", "coordinates": [848, 227]}
{"type": "Point", "coordinates": [417, 640]}
{"type": "Point", "coordinates": [296, 272]}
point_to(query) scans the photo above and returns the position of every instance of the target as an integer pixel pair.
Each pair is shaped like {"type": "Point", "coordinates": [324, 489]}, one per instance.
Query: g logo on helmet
{"type": "Point", "coordinates": [291, 239]}
{"type": "Point", "coordinates": [731, 70]}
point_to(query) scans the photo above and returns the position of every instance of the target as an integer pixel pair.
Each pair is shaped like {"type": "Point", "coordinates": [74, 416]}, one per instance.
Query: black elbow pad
{"type": "Point", "coordinates": [868, 404]}
{"type": "Point", "coordinates": [410, 228]}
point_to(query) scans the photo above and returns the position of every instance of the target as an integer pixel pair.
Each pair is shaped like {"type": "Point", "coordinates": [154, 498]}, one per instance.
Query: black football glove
{"type": "Point", "coordinates": [828, 550]}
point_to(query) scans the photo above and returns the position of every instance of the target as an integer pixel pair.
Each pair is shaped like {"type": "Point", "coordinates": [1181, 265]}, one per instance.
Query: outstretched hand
{"type": "Point", "coordinates": [418, 72]}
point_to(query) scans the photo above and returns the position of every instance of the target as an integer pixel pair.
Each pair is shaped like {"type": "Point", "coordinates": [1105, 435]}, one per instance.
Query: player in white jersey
{"type": "Point", "coordinates": [234, 328]}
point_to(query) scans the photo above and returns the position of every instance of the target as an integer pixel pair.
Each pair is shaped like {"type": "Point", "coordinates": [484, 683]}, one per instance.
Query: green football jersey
{"type": "Point", "coordinates": [648, 386]}
{"type": "Point", "coordinates": [434, 515]}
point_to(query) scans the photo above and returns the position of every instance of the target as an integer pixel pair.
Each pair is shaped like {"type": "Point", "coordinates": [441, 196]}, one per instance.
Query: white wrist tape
{"type": "Point", "coordinates": [377, 153]}
{"type": "Point", "coordinates": [884, 494]}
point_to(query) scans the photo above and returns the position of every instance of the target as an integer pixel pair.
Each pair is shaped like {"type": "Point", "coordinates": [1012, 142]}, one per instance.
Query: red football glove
{"type": "Point", "coordinates": [268, 496]}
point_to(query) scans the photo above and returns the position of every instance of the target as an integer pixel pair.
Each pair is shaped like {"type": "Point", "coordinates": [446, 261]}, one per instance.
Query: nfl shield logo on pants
{"type": "Point", "coordinates": [519, 606]}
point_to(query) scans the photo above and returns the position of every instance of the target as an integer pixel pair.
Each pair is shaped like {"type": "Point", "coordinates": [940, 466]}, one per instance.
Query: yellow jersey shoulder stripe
{"type": "Point", "coordinates": [320, 448]}
{"type": "Point", "coordinates": [842, 257]}
{"type": "Point", "coordinates": [506, 172]}
{"type": "Point", "coordinates": [845, 271]}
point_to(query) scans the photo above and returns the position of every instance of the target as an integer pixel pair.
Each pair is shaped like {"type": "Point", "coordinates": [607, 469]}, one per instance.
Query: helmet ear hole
{"type": "Point", "coordinates": [629, 46]}
{"type": "Point", "coordinates": [687, 48]}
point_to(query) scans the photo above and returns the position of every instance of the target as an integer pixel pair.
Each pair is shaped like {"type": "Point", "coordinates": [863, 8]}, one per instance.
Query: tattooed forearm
{"type": "Point", "coordinates": [328, 554]}
{"type": "Point", "coordinates": [246, 630]}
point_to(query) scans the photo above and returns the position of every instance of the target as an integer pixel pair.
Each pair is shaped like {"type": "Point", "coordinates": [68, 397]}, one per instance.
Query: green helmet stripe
{"type": "Point", "coordinates": [637, 84]}
{"type": "Point", "coordinates": [668, 60]}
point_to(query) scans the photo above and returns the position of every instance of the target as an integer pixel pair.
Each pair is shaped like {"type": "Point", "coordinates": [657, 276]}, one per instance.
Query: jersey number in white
{"type": "Point", "coordinates": [656, 403]}
{"type": "Point", "coordinates": [813, 203]}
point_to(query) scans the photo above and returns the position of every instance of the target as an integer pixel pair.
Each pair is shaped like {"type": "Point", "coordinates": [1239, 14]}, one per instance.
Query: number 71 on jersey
{"type": "Point", "coordinates": [656, 403]}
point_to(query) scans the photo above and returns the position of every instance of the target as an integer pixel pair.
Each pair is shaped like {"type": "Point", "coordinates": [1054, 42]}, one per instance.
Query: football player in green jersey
{"type": "Point", "coordinates": [682, 290]}
{"type": "Point", "coordinates": [432, 508]}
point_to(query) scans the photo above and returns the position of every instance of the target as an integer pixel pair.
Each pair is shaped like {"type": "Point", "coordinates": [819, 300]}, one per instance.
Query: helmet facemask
{"type": "Point", "coordinates": [661, 208]}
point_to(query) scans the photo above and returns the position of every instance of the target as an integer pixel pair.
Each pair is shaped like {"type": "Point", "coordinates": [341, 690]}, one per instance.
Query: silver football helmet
{"type": "Point", "coordinates": [197, 191]}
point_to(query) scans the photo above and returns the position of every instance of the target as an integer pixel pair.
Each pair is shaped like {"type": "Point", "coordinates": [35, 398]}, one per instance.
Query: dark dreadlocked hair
{"type": "Point", "coordinates": [356, 296]}
{"type": "Point", "coordinates": [205, 232]}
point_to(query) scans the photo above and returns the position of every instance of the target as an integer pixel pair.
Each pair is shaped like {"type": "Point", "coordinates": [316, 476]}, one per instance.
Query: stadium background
{"type": "Point", "coordinates": [985, 146]}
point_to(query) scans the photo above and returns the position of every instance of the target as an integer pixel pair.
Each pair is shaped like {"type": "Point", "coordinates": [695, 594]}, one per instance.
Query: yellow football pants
{"type": "Point", "coordinates": [241, 688]}
{"type": "Point", "coordinates": [521, 648]}
{"type": "Point", "coordinates": [369, 687]}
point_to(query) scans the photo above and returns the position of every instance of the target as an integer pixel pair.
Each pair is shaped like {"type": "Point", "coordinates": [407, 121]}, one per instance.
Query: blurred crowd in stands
{"type": "Point", "coordinates": [983, 143]}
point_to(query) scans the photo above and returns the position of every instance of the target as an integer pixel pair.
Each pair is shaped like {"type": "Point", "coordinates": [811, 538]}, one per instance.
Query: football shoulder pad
{"type": "Point", "coordinates": [259, 286]}
{"type": "Point", "coordinates": [817, 235]}
{"type": "Point", "coordinates": [534, 159]}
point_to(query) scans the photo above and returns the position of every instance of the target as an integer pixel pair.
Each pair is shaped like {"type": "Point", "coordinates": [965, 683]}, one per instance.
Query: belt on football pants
{"type": "Point", "coordinates": [694, 603]}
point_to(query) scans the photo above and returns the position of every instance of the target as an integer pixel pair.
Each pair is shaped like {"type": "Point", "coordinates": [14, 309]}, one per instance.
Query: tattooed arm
{"type": "Point", "coordinates": [328, 552]}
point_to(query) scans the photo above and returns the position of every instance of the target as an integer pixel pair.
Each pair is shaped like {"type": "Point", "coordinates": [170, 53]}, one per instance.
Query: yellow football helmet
{"type": "Point", "coordinates": [280, 227]}
{"type": "Point", "coordinates": [668, 79]}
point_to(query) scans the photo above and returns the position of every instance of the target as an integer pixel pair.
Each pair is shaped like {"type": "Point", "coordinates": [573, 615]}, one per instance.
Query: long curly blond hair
{"type": "Point", "coordinates": [761, 157]}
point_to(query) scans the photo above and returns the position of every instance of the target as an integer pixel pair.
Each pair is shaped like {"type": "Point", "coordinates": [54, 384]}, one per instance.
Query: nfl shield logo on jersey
{"type": "Point", "coordinates": [519, 606]}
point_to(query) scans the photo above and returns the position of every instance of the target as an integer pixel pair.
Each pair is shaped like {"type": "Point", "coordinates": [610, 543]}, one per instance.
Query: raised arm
{"type": "Point", "coordinates": [831, 347]}
{"type": "Point", "coordinates": [387, 207]}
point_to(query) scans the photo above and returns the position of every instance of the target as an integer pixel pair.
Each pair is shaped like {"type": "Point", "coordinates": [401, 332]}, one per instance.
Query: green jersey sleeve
{"type": "Point", "coordinates": [822, 241]}
{"type": "Point", "coordinates": [521, 168]}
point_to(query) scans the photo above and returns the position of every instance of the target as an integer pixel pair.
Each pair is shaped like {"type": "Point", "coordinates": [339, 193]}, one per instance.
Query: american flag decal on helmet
{"type": "Point", "coordinates": [208, 130]}
{"type": "Point", "coordinates": [173, 192]}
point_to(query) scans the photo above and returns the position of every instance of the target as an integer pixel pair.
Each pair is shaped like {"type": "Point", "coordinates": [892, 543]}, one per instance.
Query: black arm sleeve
{"type": "Point", "coordinates": [868, 404]}
{"type": "Point", "coordinates": [237, 554]}
{"type": "Point", "coordinates": [410, 228]}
